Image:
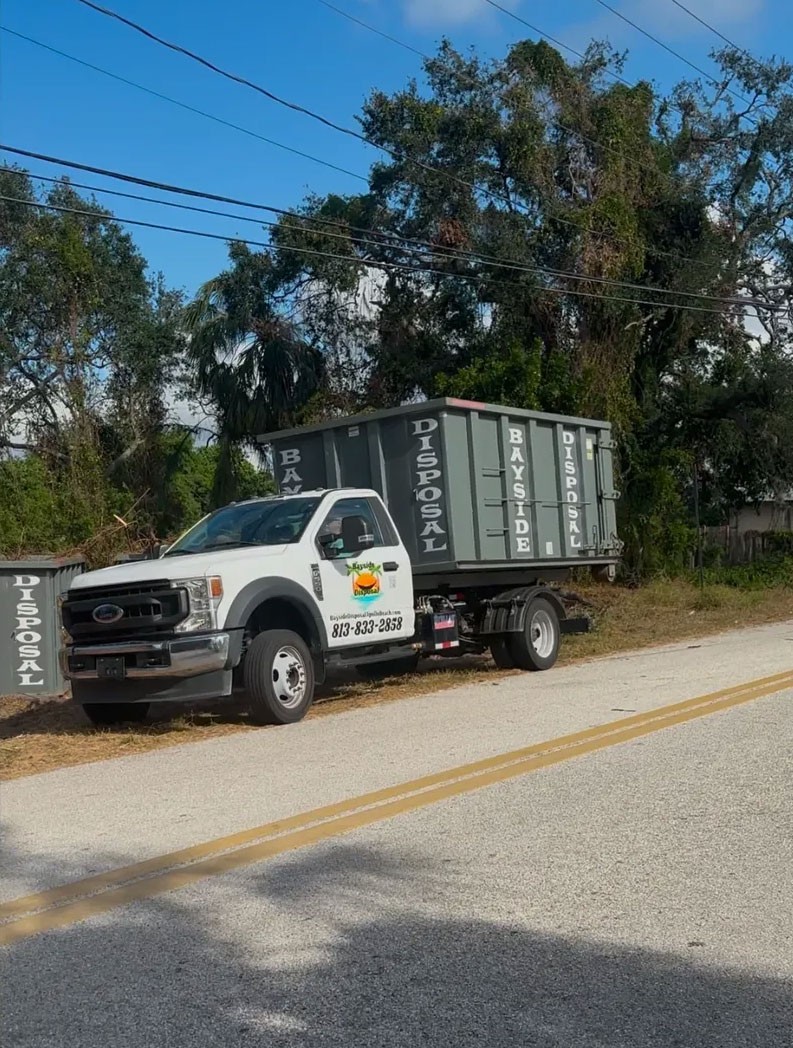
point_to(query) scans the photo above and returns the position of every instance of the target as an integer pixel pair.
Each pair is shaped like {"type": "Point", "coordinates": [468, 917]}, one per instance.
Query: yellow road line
{"type": "Point", "coordinates": [69, 903]}
{"type": "Point", "coordinates": [159, 863]}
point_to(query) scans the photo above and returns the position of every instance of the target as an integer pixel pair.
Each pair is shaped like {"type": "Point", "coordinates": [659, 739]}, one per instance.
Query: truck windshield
{"type": "Point", "coordinates": [266, 522]}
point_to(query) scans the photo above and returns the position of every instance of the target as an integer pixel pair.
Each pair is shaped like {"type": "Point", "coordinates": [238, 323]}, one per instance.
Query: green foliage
{"type": "Point", "coordinates": [251, 365]}
{"type": "Point", "coordinates": [31, 509]}
{"type": "Point", "coordinates": [654, 522]}
{"type": "Point", "coordinates": [512, 378]}
{"type": "Point", "coordinates": [769, 572]}
{"type": "Point", "coordinates": [61, 506]}
{"type": "Point", "coordinates": [193, 481]}
{"type": "Point", "coordinates": [495, 286]}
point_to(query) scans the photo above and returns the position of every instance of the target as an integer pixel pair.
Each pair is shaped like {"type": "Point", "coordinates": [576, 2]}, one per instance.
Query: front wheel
{"type": "Point", "coordinates": [536, 647]}
{"type": "Point", "coordinates": [106, 714]}
{"type": "Point", "coordinates": [279, 677]}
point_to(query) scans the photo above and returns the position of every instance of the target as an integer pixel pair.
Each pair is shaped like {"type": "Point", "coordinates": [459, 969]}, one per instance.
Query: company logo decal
{"type": "Point", "coordinates": [365, 580]}
{"type": "Point", "coordinates": [107, 614]}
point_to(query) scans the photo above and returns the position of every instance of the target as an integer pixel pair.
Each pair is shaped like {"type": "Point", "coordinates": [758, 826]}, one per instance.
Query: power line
{"type": "Point", "coordinates": [454, 254]}
{"type": "Point", "coordinates": [582, 56]}
{"type": "Point", "coordinates": [673, 52]}
{"type": "Point", "coordinates": [184, 105]}
{"type": "Point", "coordinates": [713, 29]}
{"type": "Point", "coordinates": [366, 263]}
{"type": "Point", "coordinates": [371, 28]}
{"type": "Point", "coordinates": [568, 130]}
{"type": "Point", "coordinates": [655, 252]}
{"type": "Point", "coordinates": [470, 80]}
{"type": "Point", "coordinates": [245, 82]}
{"type": "Point", "coordinates": [395, 154]}
{"type": "Point", "coordinates": [397, 241]}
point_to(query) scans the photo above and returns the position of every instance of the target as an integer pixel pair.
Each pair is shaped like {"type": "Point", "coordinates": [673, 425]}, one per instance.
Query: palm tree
{"type": "Point", "coordinates": [250, 363]}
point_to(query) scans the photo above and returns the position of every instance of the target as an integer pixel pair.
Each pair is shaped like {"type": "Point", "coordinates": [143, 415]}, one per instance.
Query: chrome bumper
{"type": "Point", "coordinates": [175, 657]}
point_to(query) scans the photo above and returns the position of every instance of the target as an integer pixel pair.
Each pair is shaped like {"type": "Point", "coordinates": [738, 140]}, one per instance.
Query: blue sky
{"type": "Point", "coordinates": [302, 51]}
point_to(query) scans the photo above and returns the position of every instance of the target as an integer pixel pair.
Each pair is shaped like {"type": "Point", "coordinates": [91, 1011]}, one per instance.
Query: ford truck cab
{"type": "Point", "coordinates": [260, 595]}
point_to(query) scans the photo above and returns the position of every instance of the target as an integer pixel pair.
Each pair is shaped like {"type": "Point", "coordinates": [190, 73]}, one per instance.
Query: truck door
{"type": "Point", "coordinates": [365, 575]}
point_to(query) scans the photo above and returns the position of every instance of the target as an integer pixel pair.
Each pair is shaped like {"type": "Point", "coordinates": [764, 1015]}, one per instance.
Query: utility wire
{"type": "Point", "coordinates": [568, 130]}
{"type": "Point", "coordinates": [392, 239]}
{"type": "Point", "coordinates": [366, 263]}
{"type": "Point", "coordinates": [713, 29]}
{"type": "Point", "coordinates": [294, 106]}
{"type": "Point", "coordinates": [582, 56]}
{"type": "Point", "coordinates": [184, 105]}
{"type": "Point", "coordinates": [470, 80]}
{"type": "Point", "coordinates": [454, 254]}
{"type": "Point", "coordinates": [674, 53]}
{"type": "Point", "coordinates": [395, 154]}
{"type": "Point", "coordinates": [371, 28]}
{"type": "Point", "coordinates": [655, 252]}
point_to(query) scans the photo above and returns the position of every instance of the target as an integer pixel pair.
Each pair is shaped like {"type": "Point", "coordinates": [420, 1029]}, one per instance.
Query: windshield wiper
{"type": "Point", "coordinates": [228, 544]}
{"type": "Point", "coordinates": [224, 544]}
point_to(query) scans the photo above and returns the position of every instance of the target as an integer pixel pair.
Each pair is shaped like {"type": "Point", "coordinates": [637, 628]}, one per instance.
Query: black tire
{"type": "Point", "coordinates": [605, 573]}
{"type": "Point", "coordinates": [536, 648]}
{"type": "Point", "coordinates": [106, 714]}
{"type": "Point", "coordinates": [279, 677]}
{"type": "Point", "coordinates": [502, 654]}
{"type": "Point", "coordinates": [390, 668]}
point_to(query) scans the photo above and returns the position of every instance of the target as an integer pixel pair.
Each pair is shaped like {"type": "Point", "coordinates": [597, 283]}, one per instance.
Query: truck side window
{"type": "Point", "coordinates": [363, 508]}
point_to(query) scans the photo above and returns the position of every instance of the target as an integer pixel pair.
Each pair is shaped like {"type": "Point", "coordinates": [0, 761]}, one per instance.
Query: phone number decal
{"type": "Point", "coordinates": [366, 627]}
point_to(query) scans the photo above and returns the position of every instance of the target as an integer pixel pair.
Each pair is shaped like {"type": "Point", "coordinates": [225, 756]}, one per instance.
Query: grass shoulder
{"type": "Point", "coordinates": [39, 736]}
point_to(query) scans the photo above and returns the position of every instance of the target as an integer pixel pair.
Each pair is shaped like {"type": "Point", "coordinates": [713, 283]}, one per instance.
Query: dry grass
{"type": "Point", "coordinates": [41, 736]}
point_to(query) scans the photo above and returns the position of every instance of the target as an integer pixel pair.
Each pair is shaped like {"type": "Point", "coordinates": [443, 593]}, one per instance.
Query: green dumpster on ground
{"type": "Point", "coordinates": [30, 628]}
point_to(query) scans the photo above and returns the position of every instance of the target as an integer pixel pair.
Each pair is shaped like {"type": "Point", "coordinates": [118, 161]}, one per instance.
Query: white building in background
{"type": "Point", "coordinates": [747, 535]}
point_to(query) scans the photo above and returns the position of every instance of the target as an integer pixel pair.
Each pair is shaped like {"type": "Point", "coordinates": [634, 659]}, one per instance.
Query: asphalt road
{"type": "Point", "coordinates": [631, 888]}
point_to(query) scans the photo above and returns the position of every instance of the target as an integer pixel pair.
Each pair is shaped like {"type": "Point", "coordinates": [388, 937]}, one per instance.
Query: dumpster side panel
{"type": "Point", "coordinates": [470, 484]}
{"type": "Point", "coordinates": [490, 480]}
{"type": "Point", "coordinates": [460, 482]}
{"type": "Point", "coordinates": [30, 629]}
{"type": "Point", "coordinates": [423, 504]}
{"type": "Point", "coordinates": [300, 464]}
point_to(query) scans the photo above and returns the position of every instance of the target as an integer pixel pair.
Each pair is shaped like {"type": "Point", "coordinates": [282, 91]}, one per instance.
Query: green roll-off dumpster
{"type": "Point", "coordinates": [30, 631]}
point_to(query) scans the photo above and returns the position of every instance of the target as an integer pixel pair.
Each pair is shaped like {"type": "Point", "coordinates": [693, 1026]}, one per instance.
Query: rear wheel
{"type": "Point", "coordinates": [279, 677]}
{"type": "Point", "coordinates": [536, 647]}
{"type": "Point", "coordinates": [105, 714]}
{"type": "Point", "coordinates": [605, 573]}
{"type": "Point", "coordinates": [389, 668]}
{"type": "Point", "coordinates": [502, 655]}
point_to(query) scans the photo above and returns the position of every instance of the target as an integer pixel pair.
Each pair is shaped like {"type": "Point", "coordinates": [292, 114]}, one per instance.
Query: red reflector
{"type": "Point", "coordinates": [473, 404]}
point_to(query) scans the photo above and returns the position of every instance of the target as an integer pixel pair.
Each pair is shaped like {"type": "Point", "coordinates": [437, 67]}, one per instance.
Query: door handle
{"type": "Point", "coordinates": [390, 565]}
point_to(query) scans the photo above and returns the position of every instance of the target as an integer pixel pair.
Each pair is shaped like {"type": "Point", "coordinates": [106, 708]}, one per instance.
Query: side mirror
{"type": "Point", "coordinates": [157, 551]}
{"type": "Point", "coordinates": [355, 535]}
{"type": "Point", "coordinates": [326, 543]}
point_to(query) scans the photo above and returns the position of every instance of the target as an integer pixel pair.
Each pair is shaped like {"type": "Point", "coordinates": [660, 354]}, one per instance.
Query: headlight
{"type": "Point", "coordinates": [204, 595]}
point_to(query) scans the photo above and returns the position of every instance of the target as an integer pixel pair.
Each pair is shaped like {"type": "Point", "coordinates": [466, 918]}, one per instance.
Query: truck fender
{"type": "Point", "coordinates": [259, 591]}
{"type": "Point", "coordinates": [507, 612]}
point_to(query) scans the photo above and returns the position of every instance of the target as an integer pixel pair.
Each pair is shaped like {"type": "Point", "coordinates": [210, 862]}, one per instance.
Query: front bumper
{"type": "Point", "coordinates": [174, 657]}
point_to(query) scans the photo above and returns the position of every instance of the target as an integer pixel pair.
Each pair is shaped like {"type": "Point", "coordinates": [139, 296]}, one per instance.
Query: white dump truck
{"type": "Point", "coordinates": [436, 529]}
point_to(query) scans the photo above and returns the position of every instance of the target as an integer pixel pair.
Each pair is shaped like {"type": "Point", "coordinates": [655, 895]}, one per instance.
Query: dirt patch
{"type": "Point", "coordinates": [38, 736]}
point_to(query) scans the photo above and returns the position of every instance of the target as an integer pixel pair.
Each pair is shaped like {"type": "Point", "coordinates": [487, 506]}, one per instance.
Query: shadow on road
{"type": "Point", "coordinates": [347, 946]}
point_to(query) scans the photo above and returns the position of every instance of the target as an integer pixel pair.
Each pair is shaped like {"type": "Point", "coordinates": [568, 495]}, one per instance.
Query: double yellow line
{"type": "Point", "coordinates": [70, 903]}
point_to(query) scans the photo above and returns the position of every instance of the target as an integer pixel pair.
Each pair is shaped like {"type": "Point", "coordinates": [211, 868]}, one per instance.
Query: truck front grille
{"type": "Point", "coordinates": [150, 608]}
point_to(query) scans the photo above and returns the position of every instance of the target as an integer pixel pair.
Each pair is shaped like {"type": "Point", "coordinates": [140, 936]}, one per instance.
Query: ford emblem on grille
{"type": "Point", "coordinates": [107, 614]}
